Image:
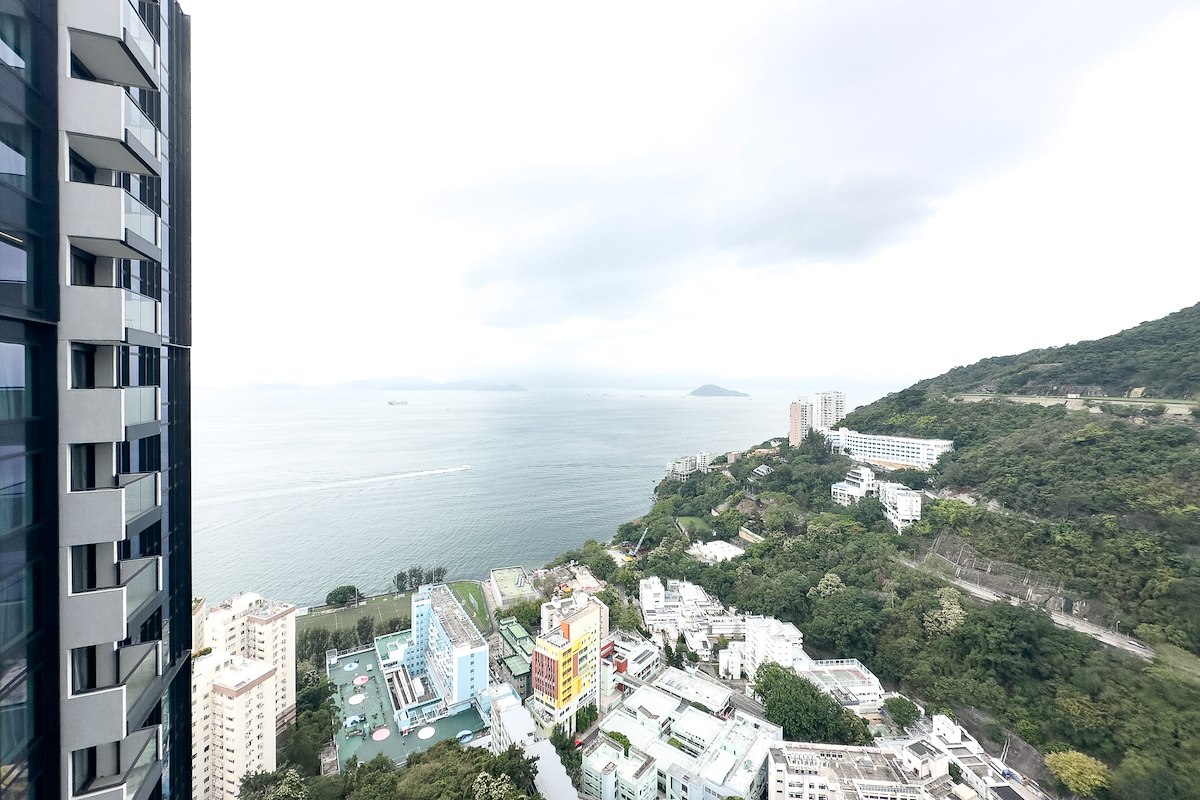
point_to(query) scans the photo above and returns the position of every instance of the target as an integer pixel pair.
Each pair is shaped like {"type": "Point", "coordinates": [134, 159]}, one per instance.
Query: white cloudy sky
{"type": "Point", "coordinates": [664, 193]}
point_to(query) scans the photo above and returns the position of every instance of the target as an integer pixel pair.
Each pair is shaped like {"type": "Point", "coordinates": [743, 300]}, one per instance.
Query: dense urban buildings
{"type": "Point", "coordinates": [95, 329]}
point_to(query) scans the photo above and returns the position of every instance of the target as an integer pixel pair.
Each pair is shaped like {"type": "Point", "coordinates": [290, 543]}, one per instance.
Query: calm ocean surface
{"type": "Point", "coordinates": [299, 490]}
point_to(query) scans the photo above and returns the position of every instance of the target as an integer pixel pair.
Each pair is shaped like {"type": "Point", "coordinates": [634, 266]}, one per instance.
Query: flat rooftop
{"type": "Point", "coordinates": [454, 619]}
{"type": "Point", "coordinates": [848, 763]}
{"type": "Point", "coordinates": [693, 688]}
{"type": "Point", "coordinates": [513, 584]}
{"type": "Point", "coordinates": [359, 723]}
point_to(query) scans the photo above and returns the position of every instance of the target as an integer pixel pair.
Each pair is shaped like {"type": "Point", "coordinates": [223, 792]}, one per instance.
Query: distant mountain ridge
{"type": "Point", "coordinates": [712, 390]}
{"type": "Point", "coordinates": [1162, 356]}
{"type": "Point", "coordinates": [421, 384]}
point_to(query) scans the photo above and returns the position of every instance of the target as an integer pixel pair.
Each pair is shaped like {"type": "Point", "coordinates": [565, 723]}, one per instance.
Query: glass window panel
{"type": "Point", "coordinates": [12, 381]}
{"type": "Point", "coordinates": [14, 607]}
{"type": "Point", "coordinates": [14, 270]}
{"type": "Point", "coordinates": [14, 153]}
{"type": "Point", "coordinates": [14, 40]}
{"type": "Point", "coordinates": [16, 501]}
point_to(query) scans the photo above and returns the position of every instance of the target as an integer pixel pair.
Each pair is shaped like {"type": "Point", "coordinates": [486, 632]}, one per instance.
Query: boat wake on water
{"type": "Point", "coordinates": [321, 487]}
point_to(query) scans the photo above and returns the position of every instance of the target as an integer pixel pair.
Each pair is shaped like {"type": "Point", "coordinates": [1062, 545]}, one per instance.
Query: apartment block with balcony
{"type": "Point", "coordinates": [233, 723]}
{"type": "Point", "coordinates": [890, 451]}
{"type": "Point", "coordinates": [263, 630]}
{"type": "Point", "coordinates": [95, 523]}
{"type": "Point", "coordinates": [565, 666]}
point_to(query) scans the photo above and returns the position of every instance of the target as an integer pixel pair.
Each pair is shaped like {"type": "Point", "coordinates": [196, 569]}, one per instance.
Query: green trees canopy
{"type": "Point", "coordinates": [806, 713]}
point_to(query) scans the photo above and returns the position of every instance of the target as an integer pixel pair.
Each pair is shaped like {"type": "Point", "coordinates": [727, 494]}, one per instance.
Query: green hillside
{"type": "Point", "coordinates": [1163, 356]}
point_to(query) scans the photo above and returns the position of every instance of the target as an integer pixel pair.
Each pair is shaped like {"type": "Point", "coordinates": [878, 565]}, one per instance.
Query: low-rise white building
{"type": "Point", "coordinates": [715, 552]}
{"type": "Point", "coordinates": [934, 744]}
{"type": "Point", "coordinates": [680, 607]}
{"type": "Point", "coordinates": [694, 755]}
{"type": "Point", "coordinates": [512, 725]}
{"type": "Point", "coordinates": [769, 639]}
{"type": "Point", "coordinates": [806, 771]}
{"type": "Point", "coordinates": [858, 483]}
{"type": "Point", "coordinates": [846, 680]}
{"type": "Point", "coordinates": [891, 451]}
{"type": "Point", "coordinates": [233, 722]}
{"type": "Point", "coordinates": [901, 505]}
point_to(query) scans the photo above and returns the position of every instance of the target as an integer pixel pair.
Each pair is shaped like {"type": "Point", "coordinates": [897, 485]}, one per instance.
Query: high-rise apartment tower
{"type": "Point", "coordinates": [95, 331]}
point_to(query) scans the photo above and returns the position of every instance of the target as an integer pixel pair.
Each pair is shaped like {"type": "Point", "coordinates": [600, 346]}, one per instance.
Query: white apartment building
{"type": "Point", "coordinates": [233, 723]}
{"type": "Point", "coordinates": [446, 646]}
{"type": "Point", "coordinates": [805, 771]}
{"type": "Point", "coordinates": [892, 451]}
{"type": "Point", "coordinates": [800, 420]}
{"type": "Point", "coordinates": [825, 410]}
{"type": "Point", "coordinates": [680, 468]}
{"type": "Point", "coordinates": [693, 755]}
{"type": "Point", "coordinates": [859, 483]}
{"type": "Point", "coordinates": [253, 627]}
{"type": "Point", "coordinates": [901, 505]}
{"type": "Point", "coordinates": [612, 773]}
{"type": "Point", "coordinates": [846, 680]}
{"type": "Point", "coordinates": [558, 609]}
{"type": "Point", "coordinates": [769, 639]}
{"type": "Point", "coordinates": [828, 409]}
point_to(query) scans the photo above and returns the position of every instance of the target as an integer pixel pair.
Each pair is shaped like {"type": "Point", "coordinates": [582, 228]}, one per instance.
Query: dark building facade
{"type": "Point", "coordinates": [95, 336]}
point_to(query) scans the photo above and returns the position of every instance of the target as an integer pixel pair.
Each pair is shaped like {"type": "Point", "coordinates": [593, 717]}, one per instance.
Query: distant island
{"type": "Point", "coordinates": [420, 384]}
{"type": "Point", "coordinates": [710, 390]}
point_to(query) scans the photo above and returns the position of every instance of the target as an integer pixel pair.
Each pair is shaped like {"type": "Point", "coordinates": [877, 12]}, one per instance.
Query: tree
{"type": "Point", "coordinates": [513, 763]}
{"type": "Point", "coordinates": [902, 710]}
{"type": "Point", "coordinates": [1080, 773]}
{"type": "Point", "coordinates": [394, 624]}
{"type": "Point", "coordinates": [586, 717]}
{"type": "Point", "coordinates": [806, 713]}
{"type": "Point", "coordinates": [291, 787]}
{"type": "Point", "coordinates": [948, 616]}
{"type": "Point", "coordinates": [815, 448]}
{"type": "Point", "coordinates": [829, 585]}
{"type": "Point", "coordinates": [490, 787]}
{"type": "Point", "coordinates": [728, 522]}
{"type": "Point", "coordinates": [416, 576]}
{"type": "Point", "coordinates": [439, 575]}
{"type": "Point", "coordinates": [620, 739]}
{"type": "Point", "coordinates": [365, 628]}
{"type": "Point", "coordinates": [342, 594]}
{"type": "Point", "coordinates": [400, 581]}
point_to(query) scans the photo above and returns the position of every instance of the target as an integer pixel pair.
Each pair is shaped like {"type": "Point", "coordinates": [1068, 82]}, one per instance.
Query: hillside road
{"type": "Point", "coordinates": [1100, 634]}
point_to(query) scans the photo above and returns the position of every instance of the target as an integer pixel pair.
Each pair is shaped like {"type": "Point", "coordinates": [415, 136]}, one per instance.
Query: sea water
{"type": "Point", "coordinates": [299, 490]}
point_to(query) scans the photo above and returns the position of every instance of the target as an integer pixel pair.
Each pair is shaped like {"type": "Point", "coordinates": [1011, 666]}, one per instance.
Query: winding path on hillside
{"type": "Point", "coordinates": [1102, 635]}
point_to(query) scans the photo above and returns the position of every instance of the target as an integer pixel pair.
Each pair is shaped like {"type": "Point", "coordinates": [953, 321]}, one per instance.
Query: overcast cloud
{"type": "Point", "coordinates": [648, 193]}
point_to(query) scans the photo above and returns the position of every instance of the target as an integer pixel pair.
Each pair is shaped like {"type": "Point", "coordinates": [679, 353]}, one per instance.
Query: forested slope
{"type": "Point", "coordinates": [1162, 355]}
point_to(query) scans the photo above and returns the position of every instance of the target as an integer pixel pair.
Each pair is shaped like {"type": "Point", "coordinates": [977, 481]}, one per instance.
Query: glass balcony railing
{"type": "Point", "coordinates": [140, 678]}
{"type": "Point", "coordinates": [140, 219]}
{"type": "Point", "coordinates": [135, 26]}
{"type": "Point", "coordinates": [135, 776]}
{"type": "Point", "coordinates": [141, 495]}
{"type": "Point", "coordinates": [141, 405]}
{"type": "Point", "coordinates": [141, 585]}
{"type": "Point", "coordinates": [141, 312]}
{"type": "Point", "coordinates": [140, 127]}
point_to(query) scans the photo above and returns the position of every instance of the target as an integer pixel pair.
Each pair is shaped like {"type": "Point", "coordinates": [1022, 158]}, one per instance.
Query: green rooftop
{"type": "Point", "coordinates": [373, 713]}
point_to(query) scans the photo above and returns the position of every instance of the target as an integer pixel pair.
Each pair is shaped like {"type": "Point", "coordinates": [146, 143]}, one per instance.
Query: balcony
{"type": "Point", "coordinates": [112, 41]}
{"type": "Point", "coordinates": [100, 515]}
{"type": "Point", "coordinates": [141, 580]}
{"type": "Point", "coordinates": [105, 126]}
{"type": "Point", "coordinates": [102, 415]}
{"type": "Point", "coordinates": [108, 315]}
{"type": "Point", "coordinates": [140, 770]}
{"type": "Point", "coordinates": [109, 222]}
{"type": "Point", "coordinates": [103, 615]}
